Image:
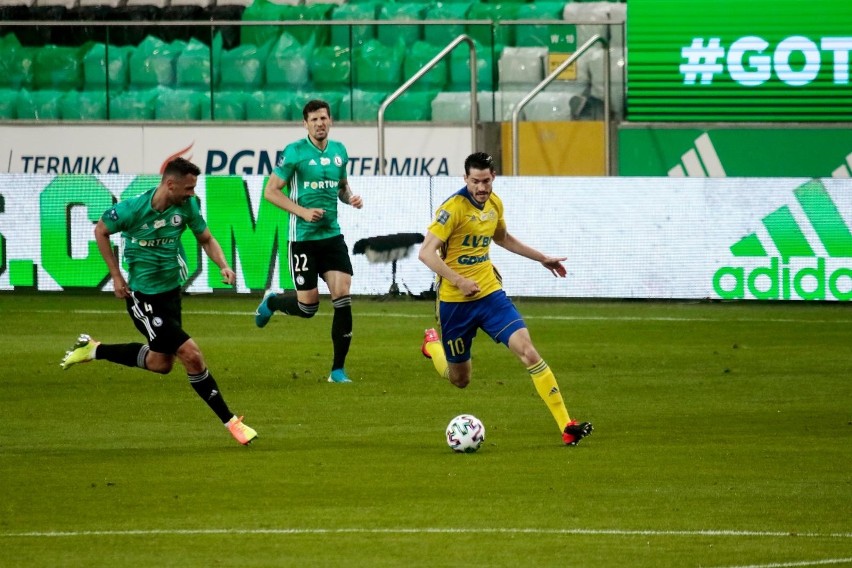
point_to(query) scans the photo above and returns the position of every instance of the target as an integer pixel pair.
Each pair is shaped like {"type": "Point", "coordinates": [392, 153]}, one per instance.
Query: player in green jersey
{"type": "Point", "coordinates": [307, 182]}
{"type": "Point", "coordinates": [151, 226]}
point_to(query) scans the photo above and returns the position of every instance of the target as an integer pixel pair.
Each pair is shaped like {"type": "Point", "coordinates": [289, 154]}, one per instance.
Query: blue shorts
{"type": "Point", "coordinates": [495, 314]}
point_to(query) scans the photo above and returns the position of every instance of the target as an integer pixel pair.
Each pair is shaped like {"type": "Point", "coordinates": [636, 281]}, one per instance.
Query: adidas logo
{"type": "Point", "coordinates": [800, 267]}
{"type": "Point", "coordinates": [701, 161]}
{"type": "Point", "coordinates": [553, 391]}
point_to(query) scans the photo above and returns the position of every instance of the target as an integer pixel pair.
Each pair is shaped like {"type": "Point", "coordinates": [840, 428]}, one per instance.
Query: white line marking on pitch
{"type": "Point", "coordinates": [795, 564]}
{"type": "Point", "coordinates": [425, 530]}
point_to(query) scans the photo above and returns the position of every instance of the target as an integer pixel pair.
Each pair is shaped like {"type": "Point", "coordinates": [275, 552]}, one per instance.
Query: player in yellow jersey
{"type": "Point", "coordinates": [471, 296]}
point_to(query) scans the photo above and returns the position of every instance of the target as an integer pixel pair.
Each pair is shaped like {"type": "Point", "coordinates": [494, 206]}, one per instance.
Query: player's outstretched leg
{"type": "Point", "coordinates": [432, 349]}
{"type": "Point", "coordinates": [263, 313]}
{"type": "Point", "coordinates": [82, 352]}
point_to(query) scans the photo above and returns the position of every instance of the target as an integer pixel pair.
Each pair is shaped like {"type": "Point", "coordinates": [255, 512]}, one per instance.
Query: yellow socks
{"type": "Point", "coordinates": [548, 390]}
{"type": "Point", "coordinates": [439, 358]}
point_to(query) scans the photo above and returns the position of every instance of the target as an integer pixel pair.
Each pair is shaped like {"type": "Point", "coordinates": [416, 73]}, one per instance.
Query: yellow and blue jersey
{"type": "Point", "coordinates": [467, 228]}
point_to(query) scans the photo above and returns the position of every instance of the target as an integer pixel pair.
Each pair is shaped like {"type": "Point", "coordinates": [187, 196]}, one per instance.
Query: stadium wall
{"type": "Point", "coordinates": [643, 237]}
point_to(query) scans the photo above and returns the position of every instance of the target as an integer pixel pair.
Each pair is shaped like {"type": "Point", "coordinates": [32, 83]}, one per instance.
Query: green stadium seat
{"type": "Point", "coordinates": [264, 11]}
{"type": "Point", "coordinates": [133, 105]}
{"type": "Point", "coordinates": [270, 105]}
{"type": "Point", "coordinates": [401, 33]}
{"type": "Point", "coordinates": [153, 63]}
{"type": "Point", "coordinates": [354, 35]}
{"type": "Point", "coordinates": [460, 67]}
{"type": "Point", "coordinates": [244, 67]}
{"type": "Point", "coordinates": [416, 58]}
{"type": "Point", "coordinates": [85, 105]}
{"type": "Point", "coordinates": [95, 67]}
{"type": "Point", "coordinates": [8, 104]}
{"type": "Point", "coordinates": [38, 105]}
{"type": "Point", "coordinates": [192, 66]}
{"type": "Point", "coordinates": [181, 105]}
{"type": "Point", "coordinates": [16, 63]}
{"type": "Point", "coordinates": [359, 105]}
{"type": "Point", "coordinates": [331, 68]}
{"type": "Point", "coordinates": [318, 35]}
{"type": "Point", "coordinates": [56, 67]}
{"type": "Point", "coordinates": [229, 106]}
{"type": "Point", "coordinates": [443, 34]}
{"type": "Point", "coordinates": [539, 35]}
{"type": "Point", "coordinates": [378, 67]}
{"type": "Point", "coordinates": [287, 64]}
{"type": "Point", "coordinates": [504, 35]}
{"type": "Point", "coordinates": [411, 106]}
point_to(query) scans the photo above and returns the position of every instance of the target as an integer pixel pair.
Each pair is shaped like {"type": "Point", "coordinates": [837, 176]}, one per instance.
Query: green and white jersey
{"type": "Point", "coordinates": [313, 176]}
{"type": "Point", "coordinates": [152, 248]}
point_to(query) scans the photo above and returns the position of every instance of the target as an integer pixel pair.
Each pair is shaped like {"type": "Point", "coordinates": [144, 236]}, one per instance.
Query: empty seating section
{"type": "Point", "coordinates": [178, 60]}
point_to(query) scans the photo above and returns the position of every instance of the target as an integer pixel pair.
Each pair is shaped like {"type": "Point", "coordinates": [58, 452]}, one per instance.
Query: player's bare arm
{"type": "Point", "coordinates": [429, 256]}
{"type": "Point", "coordinates": [214, 250]}
{"type": "Point", "coordinates": [506, 240]}
{"type": "Point", "coordinates": [105, 248]}
{"type": "Point", "coordinates": [346, 196]}
{"type": "Point", "coordinates": [273, 193]}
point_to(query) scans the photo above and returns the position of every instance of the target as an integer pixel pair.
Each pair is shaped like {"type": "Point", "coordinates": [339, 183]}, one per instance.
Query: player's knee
{"type": "Point", "coordinates": [529, 355]}
{"type": "Point", "coordinates": [460, 380]}
{"type": "Point", "coordinates": [160, 366]}
{"type": "Point", "coordinates": [308, 311]}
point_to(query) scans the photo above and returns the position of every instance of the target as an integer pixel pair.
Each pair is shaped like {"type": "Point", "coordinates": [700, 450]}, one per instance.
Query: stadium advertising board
{"type": "Point", "coordinates": [733, 238]}
{"type": "Point", "coordinates": [735, 152]}
{"type": "Point", "coordinates": [220, 150]}
{"type": "Point", "coordinates": [730, 60]}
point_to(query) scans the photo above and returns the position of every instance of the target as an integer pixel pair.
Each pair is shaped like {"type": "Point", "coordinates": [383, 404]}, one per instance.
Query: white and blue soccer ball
{"type": "Point", "coordinates": [465, 433]}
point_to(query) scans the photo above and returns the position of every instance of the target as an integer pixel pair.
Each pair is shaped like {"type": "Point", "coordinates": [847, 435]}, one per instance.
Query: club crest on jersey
{"type": "Point", "coordinates": [443, 216]}
{"type": "Point", "coordinates": [338, 161]}
{"type": "Point", "coordinates": [176, 220]}
{"type": "Point", "coordinates": [157, 322]}
{"type": "Point", "coordinates": [300, 279]}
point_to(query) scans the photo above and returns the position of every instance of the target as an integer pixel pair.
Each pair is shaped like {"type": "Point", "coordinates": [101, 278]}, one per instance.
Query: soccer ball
{"type": "Point", "coordinates": [465, 433]}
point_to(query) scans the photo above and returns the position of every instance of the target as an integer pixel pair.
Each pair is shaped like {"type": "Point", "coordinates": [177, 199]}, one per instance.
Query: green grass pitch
{"type": "Point", "coordinates": [723, 438]}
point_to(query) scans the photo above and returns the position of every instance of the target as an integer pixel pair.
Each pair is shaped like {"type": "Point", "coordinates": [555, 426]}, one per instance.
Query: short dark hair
{"type": "Point", "coordinates": [479, 161]}
{"type": "Point", "coordinates": [180, 167]}
{"type": "Point", "coordinates": [313, 106]}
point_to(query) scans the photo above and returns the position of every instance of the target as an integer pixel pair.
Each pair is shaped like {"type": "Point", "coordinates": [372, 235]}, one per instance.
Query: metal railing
{"type": "Point", "coordinates": [420, 73]}
{"type": "Point", "coordinates": [516, 112]}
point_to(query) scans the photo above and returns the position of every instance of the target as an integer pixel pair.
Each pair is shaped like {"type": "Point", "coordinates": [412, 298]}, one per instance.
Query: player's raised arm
{"type": "Point", "coordinates": [509, 242]}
